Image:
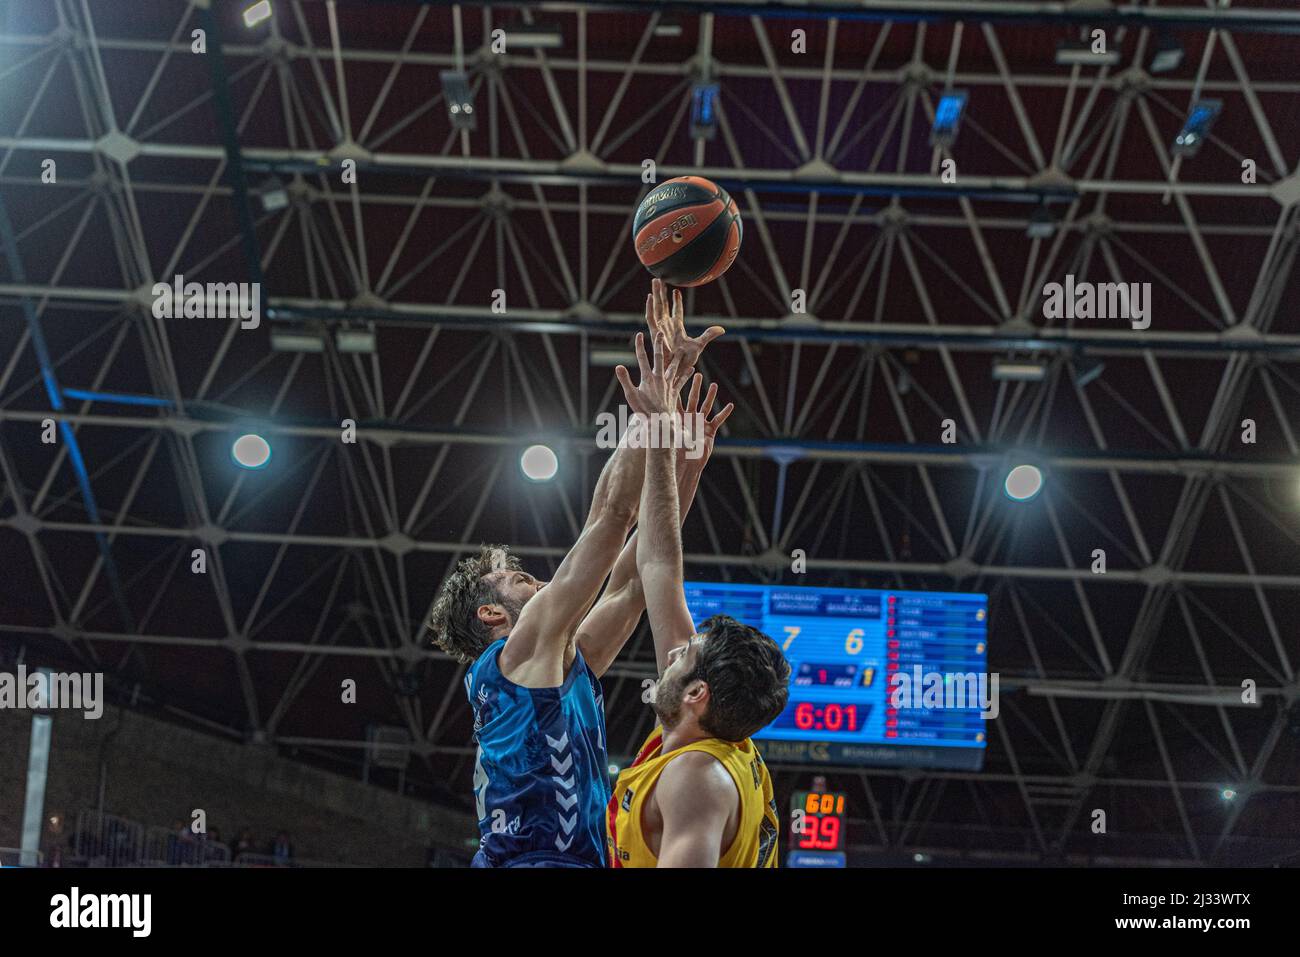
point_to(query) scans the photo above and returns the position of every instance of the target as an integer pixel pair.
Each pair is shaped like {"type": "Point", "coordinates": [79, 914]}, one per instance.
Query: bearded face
{"type": "Point", "coordinates": [671, 687]}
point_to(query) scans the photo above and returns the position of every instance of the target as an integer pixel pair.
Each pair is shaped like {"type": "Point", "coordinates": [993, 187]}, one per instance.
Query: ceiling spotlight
{"type": "Point", "coordinates": [947, 118]}
{"type": "Point", "coordinates": [609, 358]}
{"type": "Point", "coordinates": [668, 26]}
{"type": "Point", "coordinates": [273, 195]}
{"type": "Point", "coordinates": [1081, 53]}
{"type": "Point", "coordinates": [1228, 794]}
{"type": "Point", "coordinates": [251, 451]}
{"type": "Point", "coordinates": [1023, 483]}
{"type": "Point", "coordinates": [1168, 55]}
{"type": "Point", "coordinates": [539, 463]}
{"type": "Point", "coordinates": [460, 104]}
{"type": "Point", "coordinates": [1197, 127]}
{"type": "Point", "coordinates": [257, 13]}
{"type": "Point", "coordinates": [1019, 370]}
{"type": "Point", "coordinates": [704, 111]}
{"type": "Point", "coordinates": [355, 340]}
{"type": "Point", "coordinates": [533, 36]}
{"type": "Point", "coordinates": [285, 340]}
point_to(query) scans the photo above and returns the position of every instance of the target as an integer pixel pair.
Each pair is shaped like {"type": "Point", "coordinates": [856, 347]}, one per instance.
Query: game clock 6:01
{"type": "Point", "coordinates": [822, 716]}
{"type": "Point", "coordinates": [817, 821]}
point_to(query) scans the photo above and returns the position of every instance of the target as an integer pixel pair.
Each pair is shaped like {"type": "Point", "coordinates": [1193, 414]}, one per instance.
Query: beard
{"type": "Point", "coordinates": [512, 607]}
{"type": "Point", "coordinates": [667, 703]}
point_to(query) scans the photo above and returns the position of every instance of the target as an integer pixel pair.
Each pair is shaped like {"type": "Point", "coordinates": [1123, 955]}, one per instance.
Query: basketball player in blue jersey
{"type": "Point", "coordinates": [536, 650]}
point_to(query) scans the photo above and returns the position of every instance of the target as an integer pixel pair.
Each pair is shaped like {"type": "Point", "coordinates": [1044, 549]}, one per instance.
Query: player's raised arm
{"type": "Point", "coordinates": [659, 537]}
{"type": "Point", "coordinates": [605, 630]}
{"type": "Point", "coordinates": [538, 649]}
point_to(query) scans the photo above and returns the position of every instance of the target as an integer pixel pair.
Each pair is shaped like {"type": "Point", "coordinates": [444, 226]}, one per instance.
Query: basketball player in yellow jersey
{"type": "Point", "coordinates": [698, 794]}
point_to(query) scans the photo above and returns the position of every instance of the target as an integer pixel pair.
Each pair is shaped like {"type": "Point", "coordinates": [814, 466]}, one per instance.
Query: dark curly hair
{"type": "Point", "coordinates": [747, 675]}
{"type": "Point", "coordinates": [454, 616]}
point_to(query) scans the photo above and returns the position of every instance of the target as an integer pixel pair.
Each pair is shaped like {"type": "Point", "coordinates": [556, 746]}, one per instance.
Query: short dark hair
{"type": "Point", "coordinates": [748, 678]}
{"type": "Point", "coordinates": [454, 618]}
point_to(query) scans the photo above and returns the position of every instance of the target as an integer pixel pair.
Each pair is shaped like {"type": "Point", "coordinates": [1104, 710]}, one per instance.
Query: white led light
{"type": "Point", "coordinates": [539, 463]}
{"type": "Point", "coordinates": [257, 13]}
{"type": "Point", "coordinates": [251, 451]}
{"type": "Point", "coordinates": [1023, 482]}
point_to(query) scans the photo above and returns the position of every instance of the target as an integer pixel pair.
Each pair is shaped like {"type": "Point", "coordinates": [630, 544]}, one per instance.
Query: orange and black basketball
{"type": "Point", "coordinates": [687, 231]}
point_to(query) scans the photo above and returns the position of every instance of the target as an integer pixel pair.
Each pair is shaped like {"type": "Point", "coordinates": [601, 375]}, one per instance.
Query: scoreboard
{"type": "Point", "coordinates": [844, 646]}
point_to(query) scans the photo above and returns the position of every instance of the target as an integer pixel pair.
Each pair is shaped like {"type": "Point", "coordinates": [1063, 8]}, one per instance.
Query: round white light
{"type": "Point", "coordinates": [1228, 794]}
{"type": "Point", "coordinates": [251, 451]}
{"type": "Point", "coordinates": [613, 770]}
{"type": "Point", "coordinates": [1023, 482]}
{"type": "Point", "coordinates": [539, 463]}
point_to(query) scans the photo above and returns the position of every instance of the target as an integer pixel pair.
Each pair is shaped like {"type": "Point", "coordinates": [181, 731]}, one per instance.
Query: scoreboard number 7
{"type": "Point", "coordinates": [793, 632]}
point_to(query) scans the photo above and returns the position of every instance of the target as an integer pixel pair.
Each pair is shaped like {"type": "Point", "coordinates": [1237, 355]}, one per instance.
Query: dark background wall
{"type": "Point", "coordinates": [159, 772]}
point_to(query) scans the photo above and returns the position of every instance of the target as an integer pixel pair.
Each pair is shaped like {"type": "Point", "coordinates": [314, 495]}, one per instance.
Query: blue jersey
{"type": "Point", "coordinates": [541, 780]}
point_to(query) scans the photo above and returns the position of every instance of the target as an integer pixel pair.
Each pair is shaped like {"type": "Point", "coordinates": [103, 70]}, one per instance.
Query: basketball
{"type": "Point", "coordinates": [687, 231]}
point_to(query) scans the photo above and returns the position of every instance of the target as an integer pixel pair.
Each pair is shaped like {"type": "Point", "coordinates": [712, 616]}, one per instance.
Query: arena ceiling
{"type": "Point", "coordinates": [1120, 691]}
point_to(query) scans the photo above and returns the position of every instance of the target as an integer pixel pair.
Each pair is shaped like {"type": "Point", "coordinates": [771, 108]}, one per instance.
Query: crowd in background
{"type": "Point", "coordinates": [105, 839]}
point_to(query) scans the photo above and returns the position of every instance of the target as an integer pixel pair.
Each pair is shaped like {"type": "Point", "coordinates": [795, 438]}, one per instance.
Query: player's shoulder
{"type": "Point", "coordinates": [486, 666]}
{"type": "Point", "coordinates": [699, 772]}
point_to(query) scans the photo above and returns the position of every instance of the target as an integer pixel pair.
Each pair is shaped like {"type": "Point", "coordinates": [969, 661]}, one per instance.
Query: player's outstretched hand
{"type": "Point", "coordinates": [660, 384]}
{"type": "Point", "coordinates": [671, 322]}
{"type": "Point", "coordinates": [707, 428]}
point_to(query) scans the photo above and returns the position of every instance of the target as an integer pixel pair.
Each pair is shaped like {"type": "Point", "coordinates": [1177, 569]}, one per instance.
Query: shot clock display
{"type": "Point", "coordinates": [845, 645]}
{"type": "Point", "coordinates": [816, 821]}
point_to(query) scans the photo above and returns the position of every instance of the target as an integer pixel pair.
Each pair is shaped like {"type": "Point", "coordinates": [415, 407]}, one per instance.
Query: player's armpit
{"type": "Point", "coordinates": [696, 799]}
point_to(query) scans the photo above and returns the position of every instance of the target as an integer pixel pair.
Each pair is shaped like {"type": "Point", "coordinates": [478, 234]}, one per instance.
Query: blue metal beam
{"type": "Point", "coordinates": [9, 241]}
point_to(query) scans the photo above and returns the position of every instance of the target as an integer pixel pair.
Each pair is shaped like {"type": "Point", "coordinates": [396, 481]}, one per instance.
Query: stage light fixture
{"type": "Point", "coordinates": [460, 104]}
{"type": "Point", "coordinates": [355, 340]}
{"type": "Point", "coordinates": [609, 358]}
{"type": "Point", "coordinates": [1019, 370]}
{"type": "Point", "coordinates": [533, 36]}
{"type": "Point", "coordinates": [704, 111]}
{"type": "Point", "coordinates": [273, 194]}
{"type": "Point", "coordinates": [947, 118]}
{"type": "Point", "coordinates": [1197, 126]}
{"type": "Point", "coordinates": [286, 340]}
{"type": "Point", "coordinates": [1168, 55]}
{"type": "Point", "coordinates": [257, 13]}
{"type": "Point", "coordinates": [1081, 53]}
{"type": "Point", "coordinates": [668, 26]}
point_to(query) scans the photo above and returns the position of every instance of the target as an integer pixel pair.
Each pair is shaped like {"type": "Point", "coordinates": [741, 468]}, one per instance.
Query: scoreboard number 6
{"type": "Point", "coordinates": [853, 643]}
